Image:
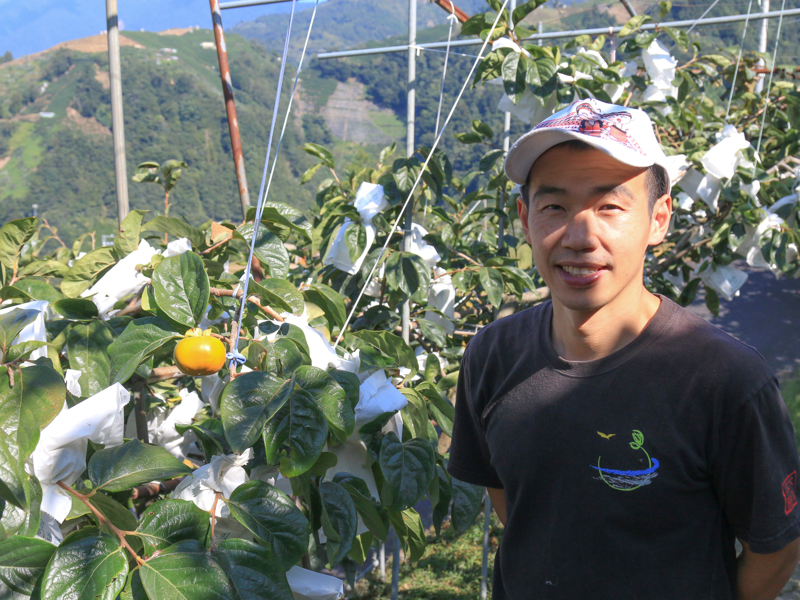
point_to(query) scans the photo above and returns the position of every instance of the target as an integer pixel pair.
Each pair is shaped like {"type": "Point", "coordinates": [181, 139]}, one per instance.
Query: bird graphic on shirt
{"type": "Point", "coordinates": [608, 436]}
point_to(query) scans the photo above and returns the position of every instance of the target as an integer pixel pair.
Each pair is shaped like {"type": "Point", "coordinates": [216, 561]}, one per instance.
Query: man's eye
{"type": "Point", "coordinates": [553, 207]}
{"type": "Point", "coordinates": [611, 207]}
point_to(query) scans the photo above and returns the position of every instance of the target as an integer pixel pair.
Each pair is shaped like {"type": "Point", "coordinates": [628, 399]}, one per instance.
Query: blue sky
{"type": "Point", "coordinates": [28, 26]}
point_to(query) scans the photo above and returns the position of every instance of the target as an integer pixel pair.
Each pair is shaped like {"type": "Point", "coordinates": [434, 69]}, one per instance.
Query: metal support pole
{"type": "Point", "coordinates": [230, 106]}
{"type": "Point", "coordinates": [629, 7]}
{"type": "Point", "coordinates": [410, 114]}
{"type": "Point", "coordinates": [117, 122]}
{"type": "Point", "coordinates": [540, 42]}
{"type": "Point", "coordinates": [501, 194]}
{"type": "Point", "coordinates": [382, 555]}
{"type": "Point", "coordinates": [487, 527]}
{"type": "Point", "coordinates": [396, 567]}
{"type": "Point", "coordinates": [762, 46]}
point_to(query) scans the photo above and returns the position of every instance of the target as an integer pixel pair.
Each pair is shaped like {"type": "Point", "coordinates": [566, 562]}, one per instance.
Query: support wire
{"type": "Point", "coordinates": [401, 214]}
{"type": "Point", "coordinates": [234, 355]}
{"type": "Point", "coordinates": [769, 86]}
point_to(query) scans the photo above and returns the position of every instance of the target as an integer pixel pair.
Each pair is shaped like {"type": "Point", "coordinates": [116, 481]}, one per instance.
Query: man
{"type": "Point", "coordinates": [626, 443]}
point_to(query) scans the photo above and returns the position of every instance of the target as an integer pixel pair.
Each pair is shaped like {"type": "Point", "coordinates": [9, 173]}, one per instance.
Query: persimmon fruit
{"type": "Point", "coordinates": [199, 354]}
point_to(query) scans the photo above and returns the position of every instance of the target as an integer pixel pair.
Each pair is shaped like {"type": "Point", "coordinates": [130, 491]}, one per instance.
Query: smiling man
{"type": "Point", "coordinates": [626, 443]}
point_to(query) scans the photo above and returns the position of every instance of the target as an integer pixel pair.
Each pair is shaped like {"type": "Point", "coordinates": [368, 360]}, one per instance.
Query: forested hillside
{"type": "Point", "coordinates": [55, 142]}
{"type": "Point", "coordinates": [173, 109]}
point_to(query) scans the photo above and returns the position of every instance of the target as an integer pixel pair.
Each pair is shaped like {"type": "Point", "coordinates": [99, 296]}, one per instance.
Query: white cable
{"type": "Point", "coordinates": [708, 10]}
{"type": "Point", "coordinates": [769, 85]}
{"type": "Point", "coordinates": [401, 214]}
{"type": "Point", "coordinates": [738, 60]}
{"type": "Point", "coordinates": [452, 18]}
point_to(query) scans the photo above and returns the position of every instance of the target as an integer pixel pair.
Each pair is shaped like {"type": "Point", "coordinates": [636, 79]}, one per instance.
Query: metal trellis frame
{"type": "Point", "coordinates": [568, 34]}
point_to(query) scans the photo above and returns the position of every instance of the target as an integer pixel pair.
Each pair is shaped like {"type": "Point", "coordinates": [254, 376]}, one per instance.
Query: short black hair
{"type": "Point", "coordinates": [657, 183]}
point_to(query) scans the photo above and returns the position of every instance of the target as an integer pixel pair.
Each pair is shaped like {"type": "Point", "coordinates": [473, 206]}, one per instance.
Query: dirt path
{"type": "Point", "coordinates": [766, 316]}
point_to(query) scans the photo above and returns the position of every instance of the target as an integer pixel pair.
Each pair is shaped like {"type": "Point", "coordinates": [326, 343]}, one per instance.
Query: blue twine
{"type": "Point", "coordinates": [234, 356]}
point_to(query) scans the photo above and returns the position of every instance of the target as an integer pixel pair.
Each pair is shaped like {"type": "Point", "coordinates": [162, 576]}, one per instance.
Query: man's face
{"type": "Point", "coordinates": [588, 223]}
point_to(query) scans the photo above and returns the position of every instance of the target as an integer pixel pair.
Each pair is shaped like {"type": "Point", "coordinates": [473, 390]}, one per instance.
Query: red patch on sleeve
{"type": "Point", "coordinates": [789, 495]}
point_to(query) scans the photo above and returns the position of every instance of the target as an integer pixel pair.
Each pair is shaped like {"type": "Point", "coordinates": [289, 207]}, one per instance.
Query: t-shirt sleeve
{"type": "Point", "coordinates": [470, 459]}
{"type": "Point", "coordinates": [755, 474]}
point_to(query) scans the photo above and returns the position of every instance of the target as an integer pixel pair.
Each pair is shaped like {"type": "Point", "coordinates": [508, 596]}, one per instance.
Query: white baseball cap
{"type": "Point", "coordinates": [625, 134]}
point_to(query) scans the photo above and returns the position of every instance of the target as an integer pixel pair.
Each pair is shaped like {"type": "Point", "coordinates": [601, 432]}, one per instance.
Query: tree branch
{"type": "Point", "coordinates": [103, 520]}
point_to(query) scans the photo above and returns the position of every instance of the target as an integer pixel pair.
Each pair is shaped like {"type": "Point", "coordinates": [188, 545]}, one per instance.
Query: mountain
{"type": "Point", "coordinates": [55, 141]}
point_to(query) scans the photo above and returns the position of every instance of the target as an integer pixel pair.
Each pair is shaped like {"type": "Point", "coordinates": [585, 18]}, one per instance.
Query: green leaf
{"type": "Point", "coordinates": [633, 25]}
{"type": "Point", "coordinates": [467, 501]}
{"type": "Point", "coordinates": [13, 236]}
{"type": "Point", "coordinates": [88, 352]}
{"type": "Point", "coordinates": [442, 410]}
{"type": "Point", "coordinates": [177, 228]}
{"type": "Point", "coordinates": [350, 384]}
{"type": "Point", "coordinates": [141, 338]}
{"type": "Point", "coordinates": [355, 238]}
{"type": "Point", "coordinates": [432, 367]}
{"type": "Point", "coordinates": [131, 228]}
{"type": "Point", "coordinates": [169, 521]}
{"type": "Point", "coordinates": [280, 294]}
{"type": "Point", "coordinates": [185, 571]}
{"type": "Point", "coordinates": [247, 403]}
{"type": "Point", "coordinates": [407, 272]}
{"type": "Point", "coordinates": [171, 170]}
{"type": "Point", "coordinates": [375, 519]}
{"type": "Point", "coordinates": [296, 434]}
{"type": "Point", "coordinates": [442, 506]}
{"type": "Point", "coordinates": [252, 571]}
{"type": "Point", "coordinates": [524, 10]}
{"type": "Point", "coordinates": [469, 137]}
{"type": "Point", "coordinates": [514, 70]}
{"type": "Point", "coordinates": [22, 564]}
{"type": "Point", "coordinates": [86, 271]}
{"type": "Point", "coordinates": [309, 173]}
{"type": "Point", "coordinates": [14, 321]}
{"type": "Point", "coordinates": [489, 159]}
{"type": "Point", "coordinates": [339, 521]}
{"type": "Point", "coordinates": [282, 219]}
{"type": "Point", "coordinates": [27, 408]}
{"type": "Point", "coordinates": [76, 309]}
{"type": "Point", "coordinates": [433, 332]}
{"type": "Point", "coordinates": [321, 153]}
{"type": "Point", "coordinates": [390, 345]}
{"type": "Point", "coordinates": [408, 469]}
{"type": "Point", "coordinates": [90, 567]}
{"type": "Point", "coordinates": [330, 397]}
{"type": "Point", "coordinates": [181, 288]}
{"type": "Point", "coordinates": [483, 129]}
{"type": "Point", "coordinates": [492, 282]}
{"type": "Point", "coordinates": [40, 290]}
{"type": "Point", "coordinates": [12, 475]}
{"type": "Point", "coordinates": [405, 172]}
{"type": "Point", "coordinates": [408, 526]}
{"type": "Point", "coordinates": [329, 300]}
{"type": "Point", "coordinates": [269, 249]}
{"type": "Point", "coordinates": [24, 522]}
{"type": "Point", "coordinates": [44, 268]}
{"type": "Point", "coordinates": [712, 300]}
{"type": "Point", "coordinates": [131, 464]}
{"type": "Point", "coordinates": [271, 517]}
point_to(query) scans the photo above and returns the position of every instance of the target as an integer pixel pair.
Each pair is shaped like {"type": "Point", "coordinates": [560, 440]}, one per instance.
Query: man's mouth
{"type": "Point", "coordinates": [580, 271]}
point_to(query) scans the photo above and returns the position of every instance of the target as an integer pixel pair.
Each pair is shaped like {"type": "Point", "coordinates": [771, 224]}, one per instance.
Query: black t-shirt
{"type": "Point", "coordinates": [626, 477]}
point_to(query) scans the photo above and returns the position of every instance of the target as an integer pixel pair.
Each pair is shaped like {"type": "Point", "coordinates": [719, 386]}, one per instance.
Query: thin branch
{"type": "Point", "coordinates": [217, 245]}
{"type": "Point", "coordinates": [54, 232]}
{"type": "Point", "coordinates": [467, 258]}
{"type": "Point", "coordinates": [214, 519]}
{"type": "Point", "coordinates": [103, 520]}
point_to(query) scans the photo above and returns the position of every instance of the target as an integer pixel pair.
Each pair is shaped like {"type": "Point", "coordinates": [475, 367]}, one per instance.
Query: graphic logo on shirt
{"type": "Point", "coordinates": [789, 494]}
{"type": "Point", "coordinates": [626, 481]}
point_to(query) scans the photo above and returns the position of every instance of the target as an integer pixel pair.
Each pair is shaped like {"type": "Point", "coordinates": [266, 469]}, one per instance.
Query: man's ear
{"type": "Point", "coordinates": [659, 222]}
{"type": "Point", "coordinates": [522, 210]}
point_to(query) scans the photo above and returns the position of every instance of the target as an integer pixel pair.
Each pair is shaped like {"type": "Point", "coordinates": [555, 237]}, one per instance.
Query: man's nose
{"type": "Point", "coordinates": [581, 231]}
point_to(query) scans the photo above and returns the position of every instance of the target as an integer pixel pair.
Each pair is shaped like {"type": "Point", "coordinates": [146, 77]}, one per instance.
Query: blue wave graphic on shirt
{"type": "Point", "coordinates": [649, 471]}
